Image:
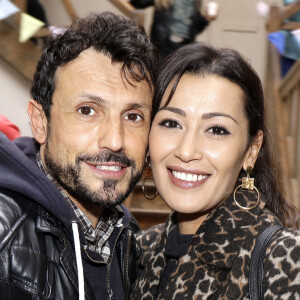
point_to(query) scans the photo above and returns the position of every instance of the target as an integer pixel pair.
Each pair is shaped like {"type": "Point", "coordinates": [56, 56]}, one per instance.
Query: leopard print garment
{"type": "Point", "coordinates": [216, 265]}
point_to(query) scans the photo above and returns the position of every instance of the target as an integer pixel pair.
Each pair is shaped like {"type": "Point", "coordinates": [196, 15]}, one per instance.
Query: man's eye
{"type": "Point", "coordinates": [169, 123]}
{"type": "Point", "coordinates": [86, 111]}
{"type": "Point", "coordinates": [218, 130]}
{"type": "Point", "coordinates": [133, 117]}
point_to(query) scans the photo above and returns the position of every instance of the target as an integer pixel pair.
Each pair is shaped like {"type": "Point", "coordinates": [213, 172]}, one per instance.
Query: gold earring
{"type": "Point", "coordinates": [149, 197]}
{"type": "Point", "coordinates": [148, 176]}
{"type": "Point", "coordinates": [247, 184]}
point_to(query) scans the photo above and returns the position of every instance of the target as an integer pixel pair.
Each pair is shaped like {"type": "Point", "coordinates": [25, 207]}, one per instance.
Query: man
{"type": "Point", "coordinates": [64, 233]}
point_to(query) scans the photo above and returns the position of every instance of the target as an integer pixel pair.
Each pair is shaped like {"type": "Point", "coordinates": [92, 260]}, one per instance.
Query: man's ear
{"type": "Point", "coordinates": [38, 121]}
{"type": "Point", "coordinates": [253, 150]}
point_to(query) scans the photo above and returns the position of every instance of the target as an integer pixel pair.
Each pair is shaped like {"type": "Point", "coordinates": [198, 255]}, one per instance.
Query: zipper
{"type": "Point", "coordinates": [110, 294]}
{"type": "Point", "coordinates": [91, 259]}
{"type": "Point", "coordinates": [126, 266]}
{"type": "Point", "coordinates": [63, 241]}
{"type": "Point", "coordinates": [109, 289]}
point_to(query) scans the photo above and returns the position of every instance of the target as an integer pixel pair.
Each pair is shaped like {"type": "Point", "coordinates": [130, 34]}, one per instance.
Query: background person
{"type": "Point", "coordinates": [207, 134]}
{"type": "Point", "coordinates": [283, 26]}
{"type": "Point", "coordinates": [175, 22]}
{"type": "Point", "coordinates": [64, 232]}
{"type": "Point", "coordinates": [292, 44]}
{"type": "Point", "coordinates": [10, 129]}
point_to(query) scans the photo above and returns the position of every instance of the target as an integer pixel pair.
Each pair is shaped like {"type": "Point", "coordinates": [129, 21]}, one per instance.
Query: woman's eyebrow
{"type": "Point", "coordinates": [217, 114]}
{"type": "Point", "coordinates": [204, 116]}
{"type": "Point", "coordinates": [174, 110]}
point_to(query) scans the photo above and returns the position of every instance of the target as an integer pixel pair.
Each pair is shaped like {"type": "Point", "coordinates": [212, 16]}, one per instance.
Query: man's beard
{"type": "Point", "coordinates": [69, 179]}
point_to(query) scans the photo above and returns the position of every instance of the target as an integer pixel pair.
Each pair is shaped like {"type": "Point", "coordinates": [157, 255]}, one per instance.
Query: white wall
{"type": "Point", "coordinates": [14, 97]}
{"type": "Point", "coordinates": [57, 15]}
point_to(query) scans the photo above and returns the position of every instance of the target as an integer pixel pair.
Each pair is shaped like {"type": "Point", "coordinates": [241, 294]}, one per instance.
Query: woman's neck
{"type": "Point", "coordinates": [189, 223]}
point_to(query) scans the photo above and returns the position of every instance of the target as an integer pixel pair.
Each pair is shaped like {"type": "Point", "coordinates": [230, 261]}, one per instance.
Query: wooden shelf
{"type": "Point", "coordinates": [21, 56]}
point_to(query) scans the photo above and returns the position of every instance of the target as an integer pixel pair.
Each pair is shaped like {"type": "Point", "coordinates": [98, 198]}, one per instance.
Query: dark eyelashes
{"type": "Point", "coordinates": [163, 122]}
{"type": "Point", "coordinates": [219, 130]}
{"type": "Point", "coordinates": [169, 123]}
{"type": "Point", "coordinates": [216, 130]}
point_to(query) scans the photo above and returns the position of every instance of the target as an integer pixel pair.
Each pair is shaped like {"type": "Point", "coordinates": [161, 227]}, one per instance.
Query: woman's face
{"type": "Point", "coordinates": [199, 143]}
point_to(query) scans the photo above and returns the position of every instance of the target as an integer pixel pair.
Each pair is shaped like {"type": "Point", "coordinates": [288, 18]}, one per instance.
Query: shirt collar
{"type": "Point", "coordinates": [97, 239]}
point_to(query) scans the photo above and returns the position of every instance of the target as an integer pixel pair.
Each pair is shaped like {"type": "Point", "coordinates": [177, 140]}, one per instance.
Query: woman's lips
{"type": "Point", "coordinates": [187, 179]}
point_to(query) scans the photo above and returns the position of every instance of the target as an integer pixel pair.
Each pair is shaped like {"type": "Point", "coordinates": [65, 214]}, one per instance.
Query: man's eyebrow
{"type": "Point", "coordinates": [93, 97]}
{"type": "Point", "coordinates": [217, 114]}
{"type": "Point", "coordinates": [132, 105]}
{"type": "Point", "coordinates": [135, 105]}
{"type": "Point", "coordinates": [174, 110]}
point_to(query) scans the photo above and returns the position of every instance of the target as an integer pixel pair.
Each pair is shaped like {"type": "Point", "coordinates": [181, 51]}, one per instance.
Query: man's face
{"type": "Point", "coordinates": [98, 130]}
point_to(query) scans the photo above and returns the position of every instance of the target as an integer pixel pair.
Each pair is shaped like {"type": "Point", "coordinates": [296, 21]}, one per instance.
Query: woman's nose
{"type": "Point", "coordinates": [189, 147]}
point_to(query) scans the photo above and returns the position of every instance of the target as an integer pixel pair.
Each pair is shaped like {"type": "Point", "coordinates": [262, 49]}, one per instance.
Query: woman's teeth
{"type": "Point", "coordinates": [188, 176]}
{"type": "Point", "coordinates": [109, 168]}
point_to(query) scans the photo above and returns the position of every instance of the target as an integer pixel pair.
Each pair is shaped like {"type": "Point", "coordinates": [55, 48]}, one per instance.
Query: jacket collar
{"type": "Point", "coordinates": [224, 231]}
{"type": "Point", "coordinates": [227, 233]}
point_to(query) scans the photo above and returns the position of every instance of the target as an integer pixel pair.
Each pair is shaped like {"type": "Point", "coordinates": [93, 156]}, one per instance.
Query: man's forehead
{"type": "Point", "coordinates": [93, 74]}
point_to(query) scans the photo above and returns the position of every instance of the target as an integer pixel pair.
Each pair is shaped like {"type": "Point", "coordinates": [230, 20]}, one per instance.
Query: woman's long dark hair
{"type": "Point", "coordinates": [201, 59]}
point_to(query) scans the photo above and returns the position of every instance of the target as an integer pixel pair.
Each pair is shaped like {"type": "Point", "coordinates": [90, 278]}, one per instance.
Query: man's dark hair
{"type": "Point", "coordinates": [117, 37]}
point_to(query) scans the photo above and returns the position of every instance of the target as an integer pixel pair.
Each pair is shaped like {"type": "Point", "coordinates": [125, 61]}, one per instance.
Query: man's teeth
{"type": "Point", "coordinates": [109, 168]}
{"type": "Point", "coordinates": [188, 176]}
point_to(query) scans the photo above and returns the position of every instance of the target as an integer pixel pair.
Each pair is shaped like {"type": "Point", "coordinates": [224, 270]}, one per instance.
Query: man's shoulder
{"type": "Point", "coordinates": [14, 209]}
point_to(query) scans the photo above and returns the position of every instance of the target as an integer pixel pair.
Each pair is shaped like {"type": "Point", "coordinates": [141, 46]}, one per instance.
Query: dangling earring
{"type": "Point", "coordinates": [148, 176]}
{"type": "Point", "coordinates": [248, 184]}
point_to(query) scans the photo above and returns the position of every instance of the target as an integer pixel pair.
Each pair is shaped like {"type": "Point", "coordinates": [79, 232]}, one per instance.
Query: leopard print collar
{"type": "Point", "coordinates": [213, 251]}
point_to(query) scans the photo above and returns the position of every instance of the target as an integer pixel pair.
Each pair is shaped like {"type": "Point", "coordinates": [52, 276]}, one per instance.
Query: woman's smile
{"type": "Point", "coordinates": [199, 143]}
{"type": "Point", "coordinates": [186, 178]}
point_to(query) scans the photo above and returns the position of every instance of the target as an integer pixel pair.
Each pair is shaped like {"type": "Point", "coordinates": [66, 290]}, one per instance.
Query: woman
{"type": "Point", "coordinates": [208, 131]}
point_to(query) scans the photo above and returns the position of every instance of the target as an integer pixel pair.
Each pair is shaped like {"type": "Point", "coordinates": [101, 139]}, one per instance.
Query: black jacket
{"type": "Point", "coordinates": [37, 255]}
{"type": "Point", "coordinates": [160, 30]}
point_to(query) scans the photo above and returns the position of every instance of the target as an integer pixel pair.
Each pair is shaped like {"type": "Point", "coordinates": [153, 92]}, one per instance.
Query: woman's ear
{"type": "Point", "coordinates": [253, 150]}
{"type": "Point", "coordinates": [38, 121]}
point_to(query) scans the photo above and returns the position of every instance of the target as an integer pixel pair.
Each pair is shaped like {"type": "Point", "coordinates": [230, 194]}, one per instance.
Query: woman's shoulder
{"type": "Point", "coordinates": [285, 236]}
{"type": "Point", "coordinates": [286, 240]}
{"type": "Point", "coordinates": [282, 265]}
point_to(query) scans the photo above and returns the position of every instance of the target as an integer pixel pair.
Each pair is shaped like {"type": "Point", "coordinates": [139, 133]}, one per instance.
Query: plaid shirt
{"type": "Point", "coordinates": [97, 239]}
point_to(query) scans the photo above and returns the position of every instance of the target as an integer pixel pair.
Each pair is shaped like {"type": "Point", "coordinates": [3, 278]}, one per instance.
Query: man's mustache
{"type": "Point", "coordinates": [106, 156]}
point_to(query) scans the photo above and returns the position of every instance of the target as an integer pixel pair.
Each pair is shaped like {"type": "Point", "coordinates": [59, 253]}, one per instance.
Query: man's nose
{"type": "Point", "coordinates": [111, 135]}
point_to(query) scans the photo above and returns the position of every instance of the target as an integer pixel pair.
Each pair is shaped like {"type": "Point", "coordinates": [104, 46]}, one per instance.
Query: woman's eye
{"type": "Point", "coordinates": [169, 123]}
{"type": "Point", "coordinates": [218, 130]}
{"type": "Point", "coordinates": [86, 111]}
{"type": "Point", "coordinates": [133, 117]}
